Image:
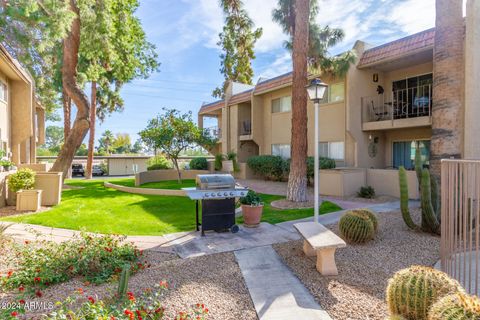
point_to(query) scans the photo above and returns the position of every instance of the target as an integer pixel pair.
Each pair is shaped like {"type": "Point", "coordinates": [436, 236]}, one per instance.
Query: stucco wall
{"type": "Point", "coordinates": [341, 182]}
{"type": "Point", "coordinates": [124, 166]}
{"type": "Point", "coordinates": [385, 182]}
{"type": "Point", "coordinates": [163, 175]}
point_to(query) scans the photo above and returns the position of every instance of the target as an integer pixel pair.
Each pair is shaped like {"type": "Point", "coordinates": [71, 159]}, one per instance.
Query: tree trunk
{"type": "Point", "coordinates": [297, 179]}
{"type": "Point", "coordinates": [91, 140]}
{"type": "Point", "coordinates": [448, 78]}
{"type": "Point", "coordinates": [67, 115]}
{"type": "Point", "coordinates": [175, 163]}
{"type": "Point", "coordinates": [69, 79]}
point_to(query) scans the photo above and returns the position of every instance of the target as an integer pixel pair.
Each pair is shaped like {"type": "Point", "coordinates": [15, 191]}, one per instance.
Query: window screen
{"type": "Point", "coordinates": [282, 150]}
{"type": "Point", "coordinates": [283, 104]}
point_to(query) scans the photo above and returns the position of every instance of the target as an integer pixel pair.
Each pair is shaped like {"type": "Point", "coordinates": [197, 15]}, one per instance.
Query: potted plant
{"type": "Point", "coordinates": [7, 165]}
{"type": "Point", "coordinates": [252, 209]}
{"type": "Point", "coordinates": [21, 193]}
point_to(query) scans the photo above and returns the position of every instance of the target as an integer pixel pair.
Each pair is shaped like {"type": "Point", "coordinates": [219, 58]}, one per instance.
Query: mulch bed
{"type": "Point", "coordinates": [10, 211]}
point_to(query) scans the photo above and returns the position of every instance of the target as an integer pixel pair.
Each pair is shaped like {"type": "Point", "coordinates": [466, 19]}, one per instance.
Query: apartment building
{"type": "Point", "coordinates": [370, 119]}
{"type": "Point", "coordinates": [22, 118]}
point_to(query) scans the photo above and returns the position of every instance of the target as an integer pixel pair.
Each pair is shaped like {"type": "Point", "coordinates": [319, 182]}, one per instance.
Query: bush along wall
{"type": "Point", "coordinates": [276, 168]}
{"type": "Point", "coordinates": [199, 164]}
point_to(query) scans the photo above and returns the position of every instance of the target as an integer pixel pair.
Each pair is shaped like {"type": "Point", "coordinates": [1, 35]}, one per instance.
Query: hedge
{"type": "Point", "coordinates": [276, 168]}
{"type": "Point", "coordinates": [199, 164]}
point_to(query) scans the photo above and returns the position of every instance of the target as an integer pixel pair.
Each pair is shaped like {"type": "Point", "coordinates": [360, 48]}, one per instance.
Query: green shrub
{"type": "Point", "coordinates": [367, 192]}
{"type": "Point", "coordinates": [324, 164]}
{"type": "Point", "coordinates": [457, 306]}
{"type": "Point", "coordinates": [199, 164]}
{"type": "Point", "coordinates": [269, 167]}
{"type": "Point", "coordinates": [158, 163]}
{"type": "Point", "coordinates": [412, 291]}
{"type": "Point", "coordinates": [358, 226]}
{"type": "Point", "coordinates": [251, 199]}
{"type": "Point", "coordinates": [23, 179]}
{"type": "Point", "coordinates": [218, 161]}
{"type": "Point", "coordinates": [95, 258]}
{"type": "Point", "coordinates": [233, 157]}
{"type": "Point", "coordinates": [6, 164]}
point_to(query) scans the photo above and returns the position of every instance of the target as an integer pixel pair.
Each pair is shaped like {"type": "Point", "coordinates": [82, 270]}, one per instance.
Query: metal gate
{"type": "Point", "coordinates": [459, 251]}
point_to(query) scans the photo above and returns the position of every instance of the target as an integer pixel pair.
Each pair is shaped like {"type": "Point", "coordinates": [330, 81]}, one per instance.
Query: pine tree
{"type": "Point", "coordinates": [237, 41]}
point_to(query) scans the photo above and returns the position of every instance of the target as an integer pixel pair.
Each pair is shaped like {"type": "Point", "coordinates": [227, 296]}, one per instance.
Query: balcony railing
{"type": "Point", "coordinates": [404, 103]}
{"type": "Point", "coordinates": [215, 132]}
{"type": "Point", "coordinates": [246, 128]}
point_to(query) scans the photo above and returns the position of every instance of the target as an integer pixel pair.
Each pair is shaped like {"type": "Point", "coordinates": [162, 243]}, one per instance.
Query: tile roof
{"type": "Point", "coordinates": [211, 106]}
{"type": "Point", "coordinates": [240, 97]}
{"type": "Point", "coordinates": [401, 47]}
{"type": "Point", "coordinates": [273, 83]}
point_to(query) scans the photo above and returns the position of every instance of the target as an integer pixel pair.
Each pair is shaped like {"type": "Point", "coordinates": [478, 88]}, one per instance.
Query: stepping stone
{"type": "Point", "coordinates": [265, 234]}
{"type": "Point", "coordinates": [275, 291]}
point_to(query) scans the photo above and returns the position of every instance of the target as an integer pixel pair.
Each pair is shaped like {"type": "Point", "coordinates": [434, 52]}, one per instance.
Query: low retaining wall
{"type": "Point", "coordinates": [341, 182]}
{"type": "Point", "coordinates": [146, 191]}
{"type": "Point", "coordinates": [385, 182]}
{"type": "Point", "coordinates": [37, 167]}
{"type": "Point", "coordinates": [164, 175]}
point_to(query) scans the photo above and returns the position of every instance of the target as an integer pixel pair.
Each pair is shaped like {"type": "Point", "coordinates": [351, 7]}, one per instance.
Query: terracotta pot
{"type": "Point", "coordinates": [252, 215]}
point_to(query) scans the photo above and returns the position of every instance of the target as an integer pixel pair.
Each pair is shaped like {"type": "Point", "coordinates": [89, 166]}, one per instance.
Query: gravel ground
{"type": "Point", "coordinates": [358, 292]}
{"type": "Point", "coordinates": [213, 280]}
{"type": "Point", "coordinates": [10, 211]}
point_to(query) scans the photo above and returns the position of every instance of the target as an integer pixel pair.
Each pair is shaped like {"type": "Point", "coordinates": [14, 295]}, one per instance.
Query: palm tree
{"type": "Point", "coordinates": [297, 179]}
{"type": "Point", "coordinates": [306, 35]}
{"type": "Point", "coordinates": [448, 76]}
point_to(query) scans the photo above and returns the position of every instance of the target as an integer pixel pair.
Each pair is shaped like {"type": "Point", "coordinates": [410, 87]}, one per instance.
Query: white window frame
{"type": "Point", "coordinates": [328, 93]}
{"type": "Point", "coordinates": [5, 91]}
{"type": "Point", "coordinates": [330, 149]}
{"type": "Point", "coordinates": [280, 99]}
{"type": "Point", "coordinates": [284, 156]}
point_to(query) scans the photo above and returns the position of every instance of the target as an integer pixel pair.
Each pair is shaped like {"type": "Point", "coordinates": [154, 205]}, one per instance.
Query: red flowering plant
{"type": "Point", "coordinates": [146, 306]}
{"type": "Point", "coordinates": [42, 263]}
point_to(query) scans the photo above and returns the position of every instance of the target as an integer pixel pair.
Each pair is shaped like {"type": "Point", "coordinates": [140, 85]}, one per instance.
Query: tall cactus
{"type": "Point", "coordinates": [429, 197]}
{"type": "Point", "coordinates": [429, 218]}
{"type": "Point", "coordinates": [402, 177]}
{"type": "Point", "coordinates": [123, 282]}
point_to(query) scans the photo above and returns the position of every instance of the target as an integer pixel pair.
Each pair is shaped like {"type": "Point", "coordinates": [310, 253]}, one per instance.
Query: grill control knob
{"type": "Point", "coordinates": [213, 194]}
{"type": "Point", "coordinates": [242, 193]}
{"type": "Point", "coordinates": [225, 194]}
{"type": "Point", "coordinates": [232, 194]}
{"type": "Point", "coordinates": [207, 195]}
{"type": "Point", "coordinates": [219, 194]}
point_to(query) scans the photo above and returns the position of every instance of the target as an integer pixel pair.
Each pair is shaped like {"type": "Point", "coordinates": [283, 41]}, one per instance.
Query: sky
{"type": "Point", "coordinates": [185, 33]}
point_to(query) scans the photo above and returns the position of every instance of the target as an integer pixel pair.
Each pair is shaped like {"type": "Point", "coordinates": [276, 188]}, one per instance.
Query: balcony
{"type": "Point", "coordinates": [215, 132]}
{"type": "Point", "coordinates": [407, 108]}
{"type": "Point", "coordinates": [245, 130]}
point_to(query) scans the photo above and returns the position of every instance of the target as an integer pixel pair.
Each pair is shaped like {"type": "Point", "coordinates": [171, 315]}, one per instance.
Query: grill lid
{"type": "Point", "coordinates": [215, 181]}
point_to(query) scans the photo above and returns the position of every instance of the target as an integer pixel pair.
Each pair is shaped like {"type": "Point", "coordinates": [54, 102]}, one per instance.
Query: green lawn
{"type": "Point", "coordinates": [98, 209]}
{"type": "Point", "coordinates": [170, 184]}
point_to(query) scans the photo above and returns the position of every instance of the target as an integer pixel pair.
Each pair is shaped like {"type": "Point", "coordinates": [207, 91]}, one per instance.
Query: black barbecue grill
{"type": "Point", "coordinates": [217, 193]}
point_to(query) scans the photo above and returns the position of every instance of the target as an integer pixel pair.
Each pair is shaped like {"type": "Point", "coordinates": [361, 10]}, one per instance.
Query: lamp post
{"type": "Point", "coordinates": [316, 90]}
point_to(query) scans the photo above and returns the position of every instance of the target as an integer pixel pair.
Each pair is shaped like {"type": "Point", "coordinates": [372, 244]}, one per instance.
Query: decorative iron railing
{"type": "Point", "coordinates": [404, 103]}
{"type": "Point", "coordinates": [460, 242]}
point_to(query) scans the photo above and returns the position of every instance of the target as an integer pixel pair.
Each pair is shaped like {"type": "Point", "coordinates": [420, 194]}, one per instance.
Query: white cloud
{"type": "Point", "coordinates": [281, 64]}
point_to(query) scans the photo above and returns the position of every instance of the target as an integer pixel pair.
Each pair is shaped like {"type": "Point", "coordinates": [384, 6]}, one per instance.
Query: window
{"type": "Point", "coordinates": [333, 150]}
{"type": "Point", "coordinates": [404, 153]}
{"type": "Point", "coordinates": [3, 91]}
{"type": "Point", "coordinates": [335, 93]}
{"type": "Point", "coordinates": [283, 104]}
{"type": "Point", "coordinates": [282, 150]}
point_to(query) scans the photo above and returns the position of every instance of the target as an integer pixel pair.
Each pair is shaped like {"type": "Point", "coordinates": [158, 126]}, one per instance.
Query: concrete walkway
{"type": "Point", "coordinates": [276, 292]}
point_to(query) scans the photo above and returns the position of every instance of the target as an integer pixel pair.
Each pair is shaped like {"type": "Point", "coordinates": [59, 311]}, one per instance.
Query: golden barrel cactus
{"type": "Point", "coordinates": [456, 306]}
{"type": "Point", "coordinates": [358, 226]}
{"type": "Point", "coordinates": [412, 291]}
